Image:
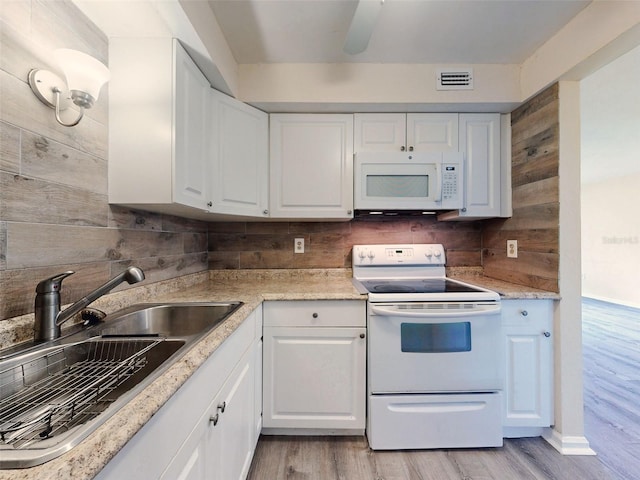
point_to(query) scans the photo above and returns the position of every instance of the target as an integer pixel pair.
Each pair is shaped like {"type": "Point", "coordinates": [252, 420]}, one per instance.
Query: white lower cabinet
{"type": "Point", "coordinates": [314, 367]}
{"type": "Point", "coordinates": [209, 429]}
{"type": "Point", "coordinates": [220, 446]}
{"type": "Point", "coordinates": [528, 346]}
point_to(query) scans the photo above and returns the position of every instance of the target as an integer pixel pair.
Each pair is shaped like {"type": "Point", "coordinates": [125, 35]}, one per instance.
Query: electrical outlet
{"type": "Point", "coordinates": [298, 245]}
{"type": "Point", "coordinates": [512, 248]}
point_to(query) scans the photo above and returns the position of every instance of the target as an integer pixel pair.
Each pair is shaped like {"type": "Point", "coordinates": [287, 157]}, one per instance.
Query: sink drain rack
{"type": "Point", "coordinates": [65, 387]}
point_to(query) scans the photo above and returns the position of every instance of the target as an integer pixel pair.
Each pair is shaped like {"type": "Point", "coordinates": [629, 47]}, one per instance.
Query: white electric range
{"type": "Point", "coordinates": [434, 351]}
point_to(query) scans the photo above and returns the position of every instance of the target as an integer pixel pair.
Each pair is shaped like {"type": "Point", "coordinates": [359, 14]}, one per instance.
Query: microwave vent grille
{"type": "Point", "coordinates": [458, 79]}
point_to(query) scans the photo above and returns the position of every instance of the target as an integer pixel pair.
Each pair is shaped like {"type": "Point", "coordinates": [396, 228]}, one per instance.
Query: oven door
{"type": "Point", "coordinates": [434, 347]}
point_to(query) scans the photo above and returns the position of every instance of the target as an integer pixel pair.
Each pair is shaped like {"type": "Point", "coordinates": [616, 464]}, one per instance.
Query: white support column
{"type": "Point", "coordinates": [567, 436]}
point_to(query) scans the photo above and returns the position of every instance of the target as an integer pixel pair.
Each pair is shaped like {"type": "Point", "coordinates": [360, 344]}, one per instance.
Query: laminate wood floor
{"type": "Point", "coordinates": [612, 425]}
{"type": "Point", "coordinates": [611, 350]}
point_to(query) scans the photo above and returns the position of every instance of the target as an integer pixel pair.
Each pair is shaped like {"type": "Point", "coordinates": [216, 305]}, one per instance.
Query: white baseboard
{"type": "Point", "coordinates": [567, 444]}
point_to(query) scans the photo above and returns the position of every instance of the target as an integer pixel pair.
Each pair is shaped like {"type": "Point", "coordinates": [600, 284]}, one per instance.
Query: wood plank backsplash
{"type": "Point", "coordinates": [54, 214]}
{"type": "Point", "coordinates": [535, 221]}
{"type": "Point", "coordinates": [328, 244]}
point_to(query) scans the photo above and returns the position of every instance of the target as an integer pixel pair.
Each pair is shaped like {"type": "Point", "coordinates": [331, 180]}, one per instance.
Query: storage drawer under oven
{"type": "Point", "coordinates": [397, 422]}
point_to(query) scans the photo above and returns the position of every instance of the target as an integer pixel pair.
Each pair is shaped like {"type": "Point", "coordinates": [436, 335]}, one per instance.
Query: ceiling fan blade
{"type": "Point", "coordinates": [361, 28]}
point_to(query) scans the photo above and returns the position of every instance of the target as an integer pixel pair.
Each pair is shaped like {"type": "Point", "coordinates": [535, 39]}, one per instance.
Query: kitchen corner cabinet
{"type": "Point", "coordinates": [176, 145]}
{"type": "Point", "coordinates": [311, 166]}
{"type": "Point", "coordinates": [314, 367]}
{"type": "Point", "coordinates": [399, 132]}
{"type": "Point", "coordinates": [209, 428]}
{"type": "Point", "coordinates": [528, 348]}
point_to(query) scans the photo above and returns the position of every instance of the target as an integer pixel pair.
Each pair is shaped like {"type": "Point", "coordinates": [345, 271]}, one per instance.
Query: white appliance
{"type": "Point", "coordinates": [434, 351]}
{"type": "Point", "coordinates": [408, 181]}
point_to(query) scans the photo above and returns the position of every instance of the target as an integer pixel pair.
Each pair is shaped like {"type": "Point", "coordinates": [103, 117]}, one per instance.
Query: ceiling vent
{"type": "Point", "coordinates": [458, 79]}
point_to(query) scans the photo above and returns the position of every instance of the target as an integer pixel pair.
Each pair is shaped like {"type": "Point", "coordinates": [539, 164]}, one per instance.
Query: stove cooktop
{"type": "Point", "coordinates": [427, 285]}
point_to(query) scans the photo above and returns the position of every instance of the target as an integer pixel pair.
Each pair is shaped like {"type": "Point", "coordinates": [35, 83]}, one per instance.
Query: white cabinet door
{"type": "Point", "coordinates": [192, 123]}
{"type": "Point", "coordinates": [379, 132]}
{"type": "Point", "coordinates": [311, 166]}
{"type": "Point", "coordinates": [528, 347]}
{"type": "Point", "coordinates": [236, 421]}
{"type": "Point", "coordinates": [314, 377]}
{"type": "Point", "coordinates": [480, 143]}
{"type": "Point", "coordinates": [240, 163]}
{"type": "Point", "coordinates": [432, 132]}
{"type": "Point", "coordinates": [399, 132]}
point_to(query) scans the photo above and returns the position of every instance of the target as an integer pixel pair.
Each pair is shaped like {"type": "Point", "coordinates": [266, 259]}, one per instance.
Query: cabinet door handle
{"type": "Point", "coordinates": [411, 148]}
{"type": "Point", "coordinates": [547, 334]}
{"type": "Point", "coordinates": [266, 212]}
{"type": "Point", "coordinates": [524, 313]}
{"type": "Point", "coordinates": [315, 315]}
{"type": "Point", "coordinates": [222, 406]}
{"type": "Point", "coordinates": [362, 335]}
{"type": "Point", "coordinates": [209, 204]}
{"type": "Point", "coordinates": [403, 148]}
{"type": "Point", "coordinates": [214, 419]}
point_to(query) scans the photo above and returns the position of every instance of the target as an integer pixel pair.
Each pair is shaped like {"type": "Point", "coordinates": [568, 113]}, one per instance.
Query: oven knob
{"type": "Point", "coordinates": [371, 255]}
{"type": "Point", "coordinates": [437, 254]}
{"type": "Point", "coordinates": [429, 254]}
{"type": "Point", "coordinates": [361, 254]}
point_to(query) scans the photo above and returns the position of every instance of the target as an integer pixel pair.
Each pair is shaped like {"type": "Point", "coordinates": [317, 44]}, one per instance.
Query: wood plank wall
{"type": "Point", "coordinates": [328, 244]}
{"type": "Point", "coordinates": [535, 221]}
{"type": "Point", "coordinates": [54, 214]}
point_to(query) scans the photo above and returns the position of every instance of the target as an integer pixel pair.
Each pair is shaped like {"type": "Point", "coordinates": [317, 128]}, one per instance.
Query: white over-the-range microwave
{"type": "Point", "coordinates": [408, 181]}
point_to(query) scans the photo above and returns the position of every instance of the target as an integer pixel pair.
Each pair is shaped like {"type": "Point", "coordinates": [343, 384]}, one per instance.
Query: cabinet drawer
{"type": "Point", "coordinates": [527, 312]}
{"type": "Point", "coordinates": [315, 313]}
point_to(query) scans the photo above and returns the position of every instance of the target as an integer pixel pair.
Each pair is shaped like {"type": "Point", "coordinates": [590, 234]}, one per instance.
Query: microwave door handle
{"type": "Point", "coordinates": [438, 197]}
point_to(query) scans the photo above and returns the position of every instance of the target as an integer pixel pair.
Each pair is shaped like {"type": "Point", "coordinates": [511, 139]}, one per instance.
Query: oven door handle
{"type": "Point", "coordinates": [426, 313]}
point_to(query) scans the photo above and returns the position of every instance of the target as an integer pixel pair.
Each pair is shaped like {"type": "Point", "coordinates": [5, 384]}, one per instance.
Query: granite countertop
{"type": "Point", "coordinates": [248, 286]}
{"type": "Point", "coordinates": [506, 290]}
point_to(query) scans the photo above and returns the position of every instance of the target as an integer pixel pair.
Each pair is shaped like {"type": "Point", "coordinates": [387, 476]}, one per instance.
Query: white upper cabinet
{"type": "Point", "coordinates": [487, 167]}
{"type": "Point", "coordinates": [311, 166]}
{"type": "Point", "coordinates": [480, 143]}
{"type": "Point", "coordinates": [176, 145]}
{"type": "Point", "coordinates": [159, 119]}
{"type": "Point", "coordinates": [399, 132]}
{"type": "Point", "coordinates": [240, 162]}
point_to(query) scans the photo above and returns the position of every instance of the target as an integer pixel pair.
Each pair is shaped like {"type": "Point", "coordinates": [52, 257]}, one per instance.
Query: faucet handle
{"type": "Point", "coordinates": [52, 284]}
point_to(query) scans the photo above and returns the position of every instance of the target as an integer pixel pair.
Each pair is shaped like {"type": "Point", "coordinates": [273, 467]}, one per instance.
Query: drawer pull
{"type": "Point", "coordinates": [524, 313]}
{"type": "Point", "coordinates": [315, 315]}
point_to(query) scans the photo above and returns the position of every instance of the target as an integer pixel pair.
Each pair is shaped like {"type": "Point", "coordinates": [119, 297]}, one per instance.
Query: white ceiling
{"type": "Point", "coordinates": [407, 31]}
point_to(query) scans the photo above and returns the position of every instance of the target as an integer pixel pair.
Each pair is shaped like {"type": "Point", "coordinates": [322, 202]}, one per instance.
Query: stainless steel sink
{"type": "Point", "coordinates": [169, 320]}
{"type": "Point", "coordinates": [52, 396]}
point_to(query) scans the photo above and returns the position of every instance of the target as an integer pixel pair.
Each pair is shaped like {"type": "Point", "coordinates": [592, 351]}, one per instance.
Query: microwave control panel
{"type": "Point", "coordinates": [451, 176]}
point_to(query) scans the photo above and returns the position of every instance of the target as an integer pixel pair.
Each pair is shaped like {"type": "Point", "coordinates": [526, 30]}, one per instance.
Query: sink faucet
{"type": "Point", "coordinates": [49, 317]}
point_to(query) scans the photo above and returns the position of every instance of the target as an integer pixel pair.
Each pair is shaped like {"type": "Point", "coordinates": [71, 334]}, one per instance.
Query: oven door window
{"type": "Point", "coordinates": [435, 337]}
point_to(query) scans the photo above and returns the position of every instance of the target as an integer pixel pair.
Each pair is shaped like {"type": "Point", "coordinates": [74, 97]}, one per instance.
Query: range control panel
{"type": "Point", "coordinates": [381, 255]}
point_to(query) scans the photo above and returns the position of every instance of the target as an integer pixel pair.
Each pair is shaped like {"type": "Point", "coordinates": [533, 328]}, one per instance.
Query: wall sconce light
{"type": "Point", "coordinates": [85, 77]}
